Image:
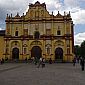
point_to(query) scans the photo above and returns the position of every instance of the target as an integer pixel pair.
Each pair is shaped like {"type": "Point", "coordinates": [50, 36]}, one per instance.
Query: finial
{"type": "Point", "coordinates": [58, 12]}
{"type": "Point", "coordinates": [11, 15]}
{"type": "Point", "coordinates": [69, 12]}
{"type": "Point", "coordinates": [17, 13]}
{"type": "Point", "coordinates": [23, 14]}
{"type": "Point", "coordinates": [52, 12]}
{"type": "Point", "coordinates": [64, 13]}
{"type": "Point", "coordinates": [7, 15]}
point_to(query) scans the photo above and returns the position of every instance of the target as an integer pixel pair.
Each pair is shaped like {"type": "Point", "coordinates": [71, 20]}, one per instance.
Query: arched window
{"type": "Point", "coordinates": [58, 32]}
{"type": "Point", "coordinates": [36, 35]}
{"type": "Point", "coordinates": [16, 33]}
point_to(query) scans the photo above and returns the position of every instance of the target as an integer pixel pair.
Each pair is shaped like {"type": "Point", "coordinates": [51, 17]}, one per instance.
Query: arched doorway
{"type": "Point", "coordinates": [58, 53]}
{"type": "Point", "coordinates": [15, 53]}
{"type": "Point", "coordinates": [36, 52]}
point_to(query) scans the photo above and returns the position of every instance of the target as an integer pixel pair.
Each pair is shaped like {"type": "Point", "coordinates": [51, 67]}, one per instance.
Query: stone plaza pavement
{"type": "Point", "coordinates": [29, 74]}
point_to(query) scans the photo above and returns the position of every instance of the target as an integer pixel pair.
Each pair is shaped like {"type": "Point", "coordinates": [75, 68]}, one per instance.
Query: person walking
{"type": "Point", "coordinates": [2, 61]}
{"type": "Point", "coordinates": [35, 60]}
{"type": "Point", "coordinates": [40, 62]}
{"type": "Point", "coordinates": [82, 64]}
{"type": "Point", "coordinates": [50, 61]}
{"type": "Point", "coordinates": [74, 61]}
{"type": "Point", "coordinates": [43, 62]}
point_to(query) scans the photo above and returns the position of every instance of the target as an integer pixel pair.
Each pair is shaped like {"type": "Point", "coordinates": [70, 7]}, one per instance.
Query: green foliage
{"type": "Point", "coordinates": [77, 50]}
{"type": "Point", "coordinates": [80, 50]}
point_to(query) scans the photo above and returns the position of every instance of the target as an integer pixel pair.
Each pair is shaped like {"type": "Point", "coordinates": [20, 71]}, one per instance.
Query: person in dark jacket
{"type": "Point", "coordinates": [74, 61]}
{"type": "Point", "coordinates": [43, 62]}
{"type": "Point", "coordinates": [50, 61]}
{"type": "Point", "coordinates": [82, 64]}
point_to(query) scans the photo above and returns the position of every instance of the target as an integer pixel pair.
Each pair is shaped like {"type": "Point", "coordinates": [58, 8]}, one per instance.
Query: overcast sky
{"type": "Point", "coordinates": [77, 8]}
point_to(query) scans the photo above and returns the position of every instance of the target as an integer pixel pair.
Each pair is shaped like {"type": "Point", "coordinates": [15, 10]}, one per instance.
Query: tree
{"type": "Point", "coordinates": [82, 49]}
{"type": "Point", "coordinates": [77, 50]}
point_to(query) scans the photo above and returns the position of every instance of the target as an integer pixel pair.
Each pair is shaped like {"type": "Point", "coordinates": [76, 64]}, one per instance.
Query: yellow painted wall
{"type": "Point", "coordinates": [2, 46]}
{"type": "Point", "coordinates": [38, 19]}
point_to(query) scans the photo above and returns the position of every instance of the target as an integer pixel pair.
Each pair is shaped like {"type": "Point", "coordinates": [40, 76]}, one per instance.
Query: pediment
{"type": "Point", "coordinates": [37, 11]}
{"type": "Point", "coordinates": [37, 3]}
{"type": "Point", "coordinates": [59, 15]}
{"type": "Point", "coordinates": [17, 16]}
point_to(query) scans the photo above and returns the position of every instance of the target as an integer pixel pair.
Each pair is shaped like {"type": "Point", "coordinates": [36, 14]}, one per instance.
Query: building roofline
{"type": "Point", "coordinates": [2, 32]}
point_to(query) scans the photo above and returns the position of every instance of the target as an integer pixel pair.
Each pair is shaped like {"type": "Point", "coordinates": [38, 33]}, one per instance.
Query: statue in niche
{"type": "Point", "coordinates": [48, 50]}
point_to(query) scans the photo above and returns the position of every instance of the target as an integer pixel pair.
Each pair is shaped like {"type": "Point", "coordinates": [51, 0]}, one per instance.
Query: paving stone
{"type": "Point", "coordinates": [52, 74]}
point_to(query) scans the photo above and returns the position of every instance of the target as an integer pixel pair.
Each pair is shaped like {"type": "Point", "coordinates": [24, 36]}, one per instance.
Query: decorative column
{"type": "Point", "coordinates": [52, 28]}
{"type": "Point", "coordinates": [44, 54]}
{"type": "Point", "coordinates": [52, 49]}
{"type": "Point", "coordinates": [5, 48]}
{"type": "Point", "coordinates": [44, 27]}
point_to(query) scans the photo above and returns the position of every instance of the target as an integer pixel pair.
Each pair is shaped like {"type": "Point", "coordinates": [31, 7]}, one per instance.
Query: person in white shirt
{"type": "Point", "coordinates": [40, 62]}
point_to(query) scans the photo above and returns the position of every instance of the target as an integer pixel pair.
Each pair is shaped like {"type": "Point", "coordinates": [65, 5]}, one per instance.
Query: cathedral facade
{"type": "Point", "coordinates": [38, 34]}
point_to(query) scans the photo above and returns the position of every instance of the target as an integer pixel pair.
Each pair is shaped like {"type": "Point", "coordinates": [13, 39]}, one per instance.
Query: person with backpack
{"type": "Point", "coordinates": [43, 62]}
